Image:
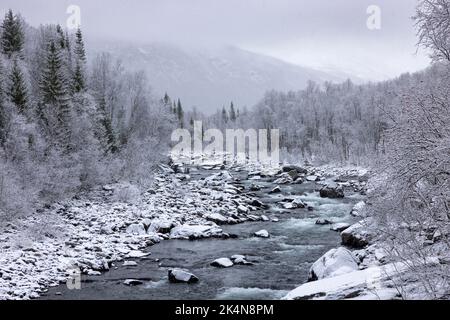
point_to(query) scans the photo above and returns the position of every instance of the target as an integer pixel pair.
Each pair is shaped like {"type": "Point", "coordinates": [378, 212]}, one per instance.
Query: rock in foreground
{"type": "Point", "coordinates": [333, 263]}
{"type": "Point", "coordinates": [181, 276]}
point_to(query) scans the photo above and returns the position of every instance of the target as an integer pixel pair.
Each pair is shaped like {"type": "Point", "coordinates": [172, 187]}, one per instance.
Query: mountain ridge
{"type": "Point", "coordinates": [211, 78]}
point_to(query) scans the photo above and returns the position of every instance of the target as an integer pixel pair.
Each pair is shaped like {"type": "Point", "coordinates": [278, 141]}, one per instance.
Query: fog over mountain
{"type": "Point", "coordinates": [211, 78]}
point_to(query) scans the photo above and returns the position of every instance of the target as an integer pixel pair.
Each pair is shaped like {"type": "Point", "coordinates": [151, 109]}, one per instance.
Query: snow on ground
{"type": "Point", "coordinates": [371, 283]}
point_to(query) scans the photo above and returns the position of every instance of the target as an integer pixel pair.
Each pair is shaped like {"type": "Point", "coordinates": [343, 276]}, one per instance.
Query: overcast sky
{"type": "Point", "coordinates": [326, 34]}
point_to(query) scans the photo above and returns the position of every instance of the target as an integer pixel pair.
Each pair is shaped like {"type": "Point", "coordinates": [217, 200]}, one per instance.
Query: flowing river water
{"type": "Point", "coordinates": [280, 263]}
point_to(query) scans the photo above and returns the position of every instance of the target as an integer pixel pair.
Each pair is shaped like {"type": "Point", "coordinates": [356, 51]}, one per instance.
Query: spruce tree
{"type": "Point", "coordinates": [79, 46]}
{"type": "Point", "coordinates": [174, 109]}
{"type": "Point", "coordinates": [54, 93]}
{"type": "Point", "coordinates": [17, 91]}
{"type": "Point", "coordinates": [180, 113]}
{"type": "Point", "coordinates": [78, 78]}
{"type": "Point", "coordinates": [12, 36]}
{"type": "Point", "coordinates": [232, 113]}
{"type": "Point", "coordinates": [166, 100]}
{"type": "Point", "coordinates": [79, 82]}
{"type": "Point", "coordinates": [108, 138]}
{"type": "Point", "coordinates": [2, 109]}
{"type": "Point", "coordinates": [61, 37]}
{"type": "Point", "coordinates": [224, 115]}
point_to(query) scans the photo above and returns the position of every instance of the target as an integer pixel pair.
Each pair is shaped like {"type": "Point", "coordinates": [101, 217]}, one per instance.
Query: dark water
{"type": "Point", "coordinates": [280, 263]}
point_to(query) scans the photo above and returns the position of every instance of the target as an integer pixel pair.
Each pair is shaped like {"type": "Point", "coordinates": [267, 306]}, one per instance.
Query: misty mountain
{"type": "Point", "coordinates": [209, 79]}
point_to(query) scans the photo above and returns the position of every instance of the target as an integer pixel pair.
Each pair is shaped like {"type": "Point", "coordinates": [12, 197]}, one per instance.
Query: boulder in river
{"type": "Point", "coordinates": [312, 178]}
{"type": "Point", "coordinates": [132, 282]}
{"type": "Point", "coordinates": [284, 179]}
{"type": "Point", "coordinates": [255, 187]}
{"type": "Point", "coordinates": [299, 170]}
{"type": "Point", "coordinates": [262, 234]}
{"type": "Point", "coordinates": [129, 264]}
{"type": "Point", "coordinates": [222, 263]}
{"type": "Point", "coordinates": [293, 174]}
{"type": "Point", "coordinates": [181, 276]}
{"type": "Point", "coordinates": [294, 204]}
{"type": "Point", "coordinates": [332, 190]}
{"type": "Point", "coordinates": [277, 189]}
{"type": "Point", "coordinates": [257, 203]}
{"type": "Point", "coordinates": [323, 221]}
{"type": "Point", "coordinates": [241, 260]}
{"type": "Point", "coordinates": [339, 227]}
{"type": "Point", "coordinates": [333, 263]}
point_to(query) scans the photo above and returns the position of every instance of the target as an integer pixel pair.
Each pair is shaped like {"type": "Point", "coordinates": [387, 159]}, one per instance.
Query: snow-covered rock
{"type": "Point", "coordinates": [341, 226]}
{"type": "Point", "coordinates": [322, 221]}
{"type": "Point", "coordinates": [332, 190]}
{"type": "Point", "coordinates": [242, 209]}
{"type": "Point", "coordinates": [137, 254]}
{"type": "Point", "coordinates": [132, 282]}
{"type": "Point", "coordinates": [277, 189]}
{"type": "Point", "coordinates": [357, 210]}
{"type": "Point", "coordinates": [350, 285]}
{"type": "Point", "coordinates": [194, 231]}
{"type": "Point", "coordinates": [238, 257]}
{"type": "Point", "coordinates": [217, 218]}
{"type": "Point", "coordinates": [299, 170]}
{"type": "Point", "coordinates": [262, 234]}
{"type": "Point", "coordinates": [241, 260]}
{"type": "Point", "coordinates": [160, 226]}
{"type": "Point", "coordinates": [181, 276]}
{"type": "Point", "coordinates": [129, 264]}
{"type": "Point", "coordinates": [333, 263]}
{"type": "Point", "coordinates": [356, 236]}
{"type": "Point", "coordinates": [222, 263]}
{"type": "Point", "coordinates": [136, 229]}
{"type": "Point", "coordinates": [284, 179]}
{"type": "Point", "coordinates": [293, 174]}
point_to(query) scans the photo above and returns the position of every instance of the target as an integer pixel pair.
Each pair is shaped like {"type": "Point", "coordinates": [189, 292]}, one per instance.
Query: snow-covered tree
{"type": "Point", "coordinates": [3, 113]}
{"type": "Point", "coordinates": [55, 105]}
{"type": "Point", "coordinates": [17, 90]}
{"type": "Point", "coordinates": [79, 81]}
{"type": "Point", "coordinates": [433, 27]}
{"type": "Point", "coordinates": [12, 36]}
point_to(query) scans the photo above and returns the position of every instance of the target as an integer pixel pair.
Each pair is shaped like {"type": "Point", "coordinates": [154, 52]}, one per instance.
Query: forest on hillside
{"type": "Point", "coordinates": [66, 127]}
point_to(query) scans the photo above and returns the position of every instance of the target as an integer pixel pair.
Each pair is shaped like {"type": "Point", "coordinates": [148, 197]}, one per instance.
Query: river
{"type": "Point", "coordinates": [280, 263]}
